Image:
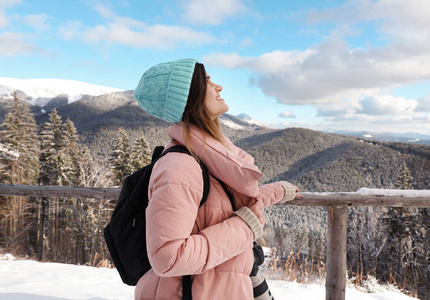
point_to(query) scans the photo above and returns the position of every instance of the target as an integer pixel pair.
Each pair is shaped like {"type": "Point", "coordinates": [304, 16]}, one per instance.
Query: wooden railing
{"type": "Point", "coordinates": [337, 204]}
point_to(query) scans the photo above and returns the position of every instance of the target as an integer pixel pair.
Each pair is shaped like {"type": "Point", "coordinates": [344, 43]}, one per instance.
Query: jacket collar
{"type": "Point", "coordinates": [230, 164]}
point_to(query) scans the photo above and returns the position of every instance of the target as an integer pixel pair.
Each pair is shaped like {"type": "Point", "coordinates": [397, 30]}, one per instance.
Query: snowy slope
{"type": "Point", "coordinates": [40, 91]}
{"type": "Point", "coordinates": [250, 120]}
{"type": "Point", "coordinates": [231, 124]}
{"type": "Point", "coordinates": [240, 122]}
{"type": "Point", "coordinates": [31, 280]}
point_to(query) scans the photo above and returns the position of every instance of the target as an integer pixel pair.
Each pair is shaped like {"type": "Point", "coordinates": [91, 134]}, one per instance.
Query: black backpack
{"type": "Point", "coordinates": [125, 235]}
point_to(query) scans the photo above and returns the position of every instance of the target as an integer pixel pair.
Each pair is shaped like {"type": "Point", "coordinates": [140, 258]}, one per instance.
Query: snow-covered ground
{"type": "Point", "coordinates": [42, 90]}
{"type": "Point", "coordinates": [31, 280]}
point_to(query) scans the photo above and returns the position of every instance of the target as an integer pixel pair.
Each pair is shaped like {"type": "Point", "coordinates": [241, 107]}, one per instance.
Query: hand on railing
{"type": "Point", "coordinates": [290, 192]}
{"type": "Point", "coordinates": [298, 196]}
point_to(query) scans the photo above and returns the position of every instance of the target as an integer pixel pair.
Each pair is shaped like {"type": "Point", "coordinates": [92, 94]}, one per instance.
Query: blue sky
{"type": "Point", "coordinates": [319, 64]}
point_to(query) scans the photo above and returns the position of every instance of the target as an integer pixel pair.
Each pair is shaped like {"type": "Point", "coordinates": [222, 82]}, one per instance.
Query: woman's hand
{"type": "Point", "coordinates": [298, 196]}
{"type": "Point", "coordinates": [257, 207]}
{"type": "Point", "coordinates": [290, 192]}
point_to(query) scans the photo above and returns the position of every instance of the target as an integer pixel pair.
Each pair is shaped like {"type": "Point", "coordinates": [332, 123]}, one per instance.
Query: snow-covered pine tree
{"type": "Point", "coordinates": [140, 155]}
{"type": "Point", "coordinates": [404, 180]}
{"type": "Point", "coordinates": [59, 151]}
{"type": "Point", "coordinates": [72, 153]}
{"type": "Point", "coordinates": [52, 150]}
{"type": "Point", "coordinates": [119, 160]}
{"type": "Point", "coordinates": [19, 132]}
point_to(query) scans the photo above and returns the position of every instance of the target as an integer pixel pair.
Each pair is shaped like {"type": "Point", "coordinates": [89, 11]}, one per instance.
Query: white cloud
{"type": "Point", "coordinates": [424, 104]}
{"type": "Point", "coordinates": [246, 42]}
{"type": "Point", "coordinates": [405, 19]}
{"type": "Point", "coordinates": [36, 21]}
{"type": "Point", "coordinates": [211, 12]}
{"type": "Point", "coordinates": [70, 30]}
{"type": "Point", "coordinates": [419, 123]}
{"type": "Point", "coordinates": [4, 20]}
{"type": "Point", "coordinates": [9, 3]}
{"type": "Point", "coordinates": [286, 114]}
{"type": "Point", "coordinates": [381, 113]}
{"type": "Point", "coordinates": [12, 44]}
{"type": "Point", "coordinates": [267, 63]}
{"type": "Point", "coordinates": [133, 33]}
{"type": "Point", "coordinates": [387, 105]}
{"type": "Point", "coordinates": [330, 72]}
{"type": "Point", "coordinates": [143, 36]}
{"type": "Point", "coordinates": [15, 43]}
{"type": "Point", "coordinates": [103, 10]}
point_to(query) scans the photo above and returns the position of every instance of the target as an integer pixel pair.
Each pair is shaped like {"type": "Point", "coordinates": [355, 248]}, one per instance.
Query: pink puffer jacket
{"type": "Point", "coordinates": [210, 242]}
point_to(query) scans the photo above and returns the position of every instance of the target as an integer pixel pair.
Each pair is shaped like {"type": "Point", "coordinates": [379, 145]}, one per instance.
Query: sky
{"type": "Point", "coordinates": [327, 65]}
{"type": "Point", "coordinates": [31, 280]}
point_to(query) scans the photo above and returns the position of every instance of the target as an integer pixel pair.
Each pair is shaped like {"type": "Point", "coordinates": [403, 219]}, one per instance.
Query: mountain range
{"type": "Point", "coordinates": [409, 137]}
{"type": "Point", "coordinates": [314, 160]}
{"type": "Point", "coordinates": [46, 94]}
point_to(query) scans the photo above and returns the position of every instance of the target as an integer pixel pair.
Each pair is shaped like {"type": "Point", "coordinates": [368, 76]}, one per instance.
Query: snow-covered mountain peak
{"type": "Point", "coordinates": [41, 91]}
{"type": "Point", "coordinates": [250, 120]}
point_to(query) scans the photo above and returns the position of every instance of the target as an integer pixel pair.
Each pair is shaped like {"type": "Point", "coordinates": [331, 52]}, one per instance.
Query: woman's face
{"type": "Point", "coordinates": [214, 104]}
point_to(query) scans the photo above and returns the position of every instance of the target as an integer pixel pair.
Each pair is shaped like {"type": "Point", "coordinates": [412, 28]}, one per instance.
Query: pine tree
{"type": "Point", "coordinates": [52, 146]}
{"type": "Point", "coordinates": [120, 157]}
{"type": "Point", "coordinates": [59, 151]}
{"type": "Point", "coordinates": [404, 180]}
{"type": "Point", "coordinates": [72, 152]}
{"type": "Point", "coordinates": [140, 155]}
{"type": "Point", "coordinates": [19, 132]}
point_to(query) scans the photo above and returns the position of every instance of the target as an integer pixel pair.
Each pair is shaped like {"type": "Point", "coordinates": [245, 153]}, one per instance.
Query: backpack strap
{"type": "Point", "coordinates": [157, 152]}
{"type": "Point", "coordinates": [229, 195]}
{"type": "Point", "coordinates": [186, 287]}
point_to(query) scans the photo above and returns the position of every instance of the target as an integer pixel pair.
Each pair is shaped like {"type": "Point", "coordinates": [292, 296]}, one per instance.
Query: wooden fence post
{"type": "Point", "coordinates": [336, 252]}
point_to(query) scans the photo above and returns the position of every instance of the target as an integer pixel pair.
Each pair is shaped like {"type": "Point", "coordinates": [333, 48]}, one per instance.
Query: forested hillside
{"type": "Point", "coordinates": [320, 162]}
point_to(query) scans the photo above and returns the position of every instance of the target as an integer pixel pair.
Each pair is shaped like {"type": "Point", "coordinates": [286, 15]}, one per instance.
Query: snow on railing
{"type": "Point", "coordinates": [337, 204]}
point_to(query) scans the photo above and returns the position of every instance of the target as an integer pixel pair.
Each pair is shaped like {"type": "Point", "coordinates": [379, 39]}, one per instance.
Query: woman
{"type": "Point", "coordinates": [213, 243]}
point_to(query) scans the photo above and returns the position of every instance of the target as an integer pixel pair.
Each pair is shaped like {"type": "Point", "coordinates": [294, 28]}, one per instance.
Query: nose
{"type": "Point", "coordinates": [218, 88]}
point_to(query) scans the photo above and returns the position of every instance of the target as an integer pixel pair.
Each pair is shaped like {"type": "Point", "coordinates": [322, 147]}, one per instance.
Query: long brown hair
{"type": "Point", "coordinates": [195, 111]}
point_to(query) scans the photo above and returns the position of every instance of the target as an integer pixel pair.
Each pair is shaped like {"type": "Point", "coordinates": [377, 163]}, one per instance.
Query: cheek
{"type": "Point", "coordinates": [209, 99]}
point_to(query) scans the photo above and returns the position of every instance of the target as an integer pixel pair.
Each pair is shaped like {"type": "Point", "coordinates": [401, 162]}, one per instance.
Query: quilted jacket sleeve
{"type": "Point", "coordinates": [175, 192]}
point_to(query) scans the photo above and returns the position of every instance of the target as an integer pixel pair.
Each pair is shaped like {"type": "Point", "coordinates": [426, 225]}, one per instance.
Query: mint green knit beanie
{"type": "Point", "coordinates": [163, 90]}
